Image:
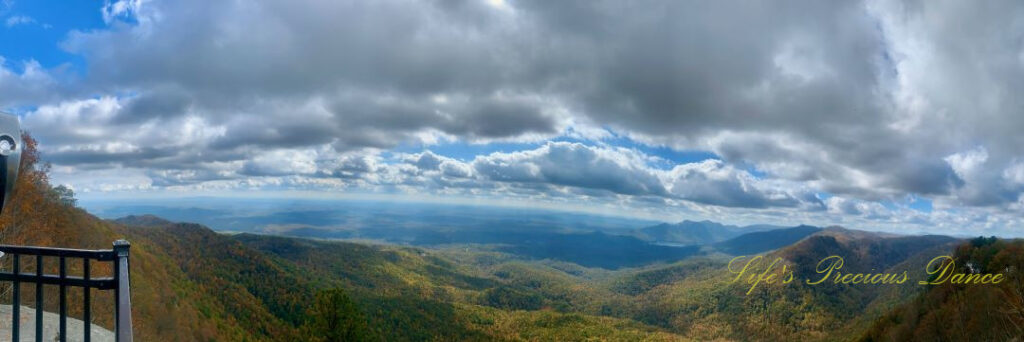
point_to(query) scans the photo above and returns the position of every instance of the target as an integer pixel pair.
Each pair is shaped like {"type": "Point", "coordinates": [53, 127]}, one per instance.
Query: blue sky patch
{"type": "Point", "coordinates": [34, 30]}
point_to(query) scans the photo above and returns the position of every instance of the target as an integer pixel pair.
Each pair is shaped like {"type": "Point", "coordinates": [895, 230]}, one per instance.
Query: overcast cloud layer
{"type": "Point", "coordinates": [825, 112]}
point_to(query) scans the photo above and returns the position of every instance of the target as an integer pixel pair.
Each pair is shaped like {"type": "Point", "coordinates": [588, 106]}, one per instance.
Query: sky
{"type": "Point", "coordinates": [880, 115]}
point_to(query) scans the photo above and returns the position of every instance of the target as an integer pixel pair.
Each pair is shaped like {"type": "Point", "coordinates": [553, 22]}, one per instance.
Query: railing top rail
{"type": "Point", "coordinates": [100, 283]}
{"type": "Point", "coordinates": [95, 254]}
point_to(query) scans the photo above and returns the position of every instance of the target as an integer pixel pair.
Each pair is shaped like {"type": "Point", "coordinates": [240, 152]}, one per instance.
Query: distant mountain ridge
{"type": "Point", "coordinates": [695, 232]}
{"type": "Point", "coordinates": [145, 220]}
{"type": "Point", "coordinates": [763, 241]}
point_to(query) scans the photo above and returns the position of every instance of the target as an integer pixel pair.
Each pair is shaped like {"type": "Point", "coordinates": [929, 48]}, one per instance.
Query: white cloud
{"type": "Point", "coordinates": [870, 101]}
{"type": "Point", "coordinates": [16, 20]}
{"type": "Point", "coordinates": [32, 85]}
{"type": "Point", "coordinates": [968, 164]}
{"type": "Point", "coordinates": [1015, 174]}
{"type": "Point", "coordinates": [281, 163]}
{"type": "Point", "coordinates": [123, 9]}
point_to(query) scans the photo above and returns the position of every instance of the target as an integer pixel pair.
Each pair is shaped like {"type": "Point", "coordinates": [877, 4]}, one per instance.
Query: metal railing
{"type": "Point", "coordinates": [118, 256]}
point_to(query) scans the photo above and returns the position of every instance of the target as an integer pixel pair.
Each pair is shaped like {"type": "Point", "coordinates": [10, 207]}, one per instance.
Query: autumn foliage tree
{"type": "Point", "coordinates": [335, 317]}
{"type": "Point", "coordinates": [31, 205]}
{"type": "Point", "coordinates": [965, 312]}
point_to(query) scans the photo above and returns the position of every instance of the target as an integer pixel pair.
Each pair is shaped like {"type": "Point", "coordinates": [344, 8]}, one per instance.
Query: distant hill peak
{"type": "Point", "coordinates": [881, 248]}
{"type": "Point", "coordinates": [688, 232]}
{"type": "Point", "coordinates": [846, 234]}
{"type": "Point", "coordinates": [146, 220]}
{"type": "Point", "coordinates": [763, 241]}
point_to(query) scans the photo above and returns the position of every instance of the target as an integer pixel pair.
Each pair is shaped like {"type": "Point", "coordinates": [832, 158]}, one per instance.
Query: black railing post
{"type": "Point", "coordinates": [63, 329]}
{"type": "Point", "coordinates": [86, 307]}
{"type": "Point", "coordinates": [16, 303]}
{"type": "Point", "coordinates": [39, 298]}
{"type": "Point", "coordinates": [123, 300]}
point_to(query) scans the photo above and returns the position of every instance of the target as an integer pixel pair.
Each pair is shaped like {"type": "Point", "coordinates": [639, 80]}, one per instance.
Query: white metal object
{"type": "Point", "coordinates": [10, 155]}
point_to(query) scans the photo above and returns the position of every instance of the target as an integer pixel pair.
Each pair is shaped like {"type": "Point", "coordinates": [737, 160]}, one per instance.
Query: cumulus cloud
{"type": "Point", "coordinates": [853, 207]}
{"type": "Point", "coordinates": [869, 101]}
{"type": "Point", "coordinates": [32, 84]}
{"type": "Point", "coordinates": [714, 182]}
{"type": "Point", "coordinates": [280, 163]}
{"type": "Point", "coordinates": [85, 132]}
{"type": "Point", "coordinates": [387, 70]}
{"type": "Point", "coordinates": [121, 9]}
{"type": "Point", "coordinates": [576, 165]}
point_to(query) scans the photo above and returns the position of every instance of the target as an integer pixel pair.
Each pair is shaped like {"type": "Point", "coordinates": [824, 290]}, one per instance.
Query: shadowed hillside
{"type": "Point", "coordinates": [965, 312]}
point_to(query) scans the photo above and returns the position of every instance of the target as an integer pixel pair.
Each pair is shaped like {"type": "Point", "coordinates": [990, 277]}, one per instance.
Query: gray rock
{"type": "Point", "coordinates": [51, 326]}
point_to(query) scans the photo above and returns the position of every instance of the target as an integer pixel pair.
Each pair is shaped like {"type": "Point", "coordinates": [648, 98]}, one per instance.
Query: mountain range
{"type": "Point", "coordinates": [192, 283]}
